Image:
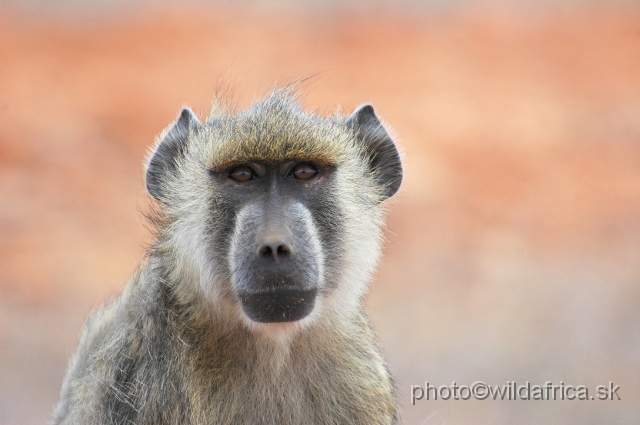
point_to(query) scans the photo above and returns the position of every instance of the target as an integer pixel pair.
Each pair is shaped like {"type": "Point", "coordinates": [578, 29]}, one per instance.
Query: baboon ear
{"type": "Point", "coordinates": [171, 147]}
{"type": "Point", "coordinates": [384, 159]}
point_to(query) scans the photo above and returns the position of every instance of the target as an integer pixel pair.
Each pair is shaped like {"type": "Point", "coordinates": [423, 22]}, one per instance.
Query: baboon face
{"type": "Point", "coordinates": [276, 253]}
{"type": "Point", "coordinates": [276, 208]}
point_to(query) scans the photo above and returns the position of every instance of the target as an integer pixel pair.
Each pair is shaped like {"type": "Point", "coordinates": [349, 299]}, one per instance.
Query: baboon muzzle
{"type": "Point", "coordinates": [277, 271]}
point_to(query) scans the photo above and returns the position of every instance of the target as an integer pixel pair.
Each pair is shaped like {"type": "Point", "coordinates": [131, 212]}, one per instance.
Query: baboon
{"type": "Point", "coordinates": [247, 308]}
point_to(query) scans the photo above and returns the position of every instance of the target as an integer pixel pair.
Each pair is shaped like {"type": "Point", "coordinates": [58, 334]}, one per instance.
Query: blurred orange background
{"type": "Point", "coordinates": [513, 247]}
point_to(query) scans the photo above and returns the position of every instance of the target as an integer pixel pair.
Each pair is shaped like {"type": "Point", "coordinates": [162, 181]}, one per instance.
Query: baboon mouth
{"type": "Point", "coordinates": [278, 305]}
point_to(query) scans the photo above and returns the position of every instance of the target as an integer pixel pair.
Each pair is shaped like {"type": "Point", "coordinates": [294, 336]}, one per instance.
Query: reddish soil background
{"type": "Point", "coordinates": [513, 247]}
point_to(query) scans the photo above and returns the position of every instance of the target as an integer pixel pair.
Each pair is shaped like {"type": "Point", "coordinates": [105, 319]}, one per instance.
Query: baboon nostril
{"type": "Point", "coordinates": [283, 251]}
{"type": "Point", "coordinates": [266, 252]}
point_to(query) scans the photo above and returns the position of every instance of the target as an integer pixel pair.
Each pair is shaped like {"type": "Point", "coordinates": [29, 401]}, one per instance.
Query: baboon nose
{"type": "Point", "coordinates": [275, 249]}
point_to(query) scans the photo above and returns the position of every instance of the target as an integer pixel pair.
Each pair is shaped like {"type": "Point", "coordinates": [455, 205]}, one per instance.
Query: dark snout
{"type": "Point", "coordinates": [277, 274]}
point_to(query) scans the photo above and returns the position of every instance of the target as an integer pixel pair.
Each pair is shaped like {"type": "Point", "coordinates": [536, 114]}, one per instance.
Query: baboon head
{"type": "Point", "coordinates": [273, 213]}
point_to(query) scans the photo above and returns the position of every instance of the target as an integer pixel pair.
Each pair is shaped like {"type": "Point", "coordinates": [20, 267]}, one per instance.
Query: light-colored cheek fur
{"type": "Point", "coordinates": [361, 241]}
{"type": "Point", "coordinates": [188, 238]}
{"type": "Point", "coordinates": [361, 256]}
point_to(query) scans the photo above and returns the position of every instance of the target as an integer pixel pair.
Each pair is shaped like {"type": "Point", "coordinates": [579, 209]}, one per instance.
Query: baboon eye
{"type": "Point", "coordinates": [242, 174]}
{"type": "Point", "coordinates": [304, 171]}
